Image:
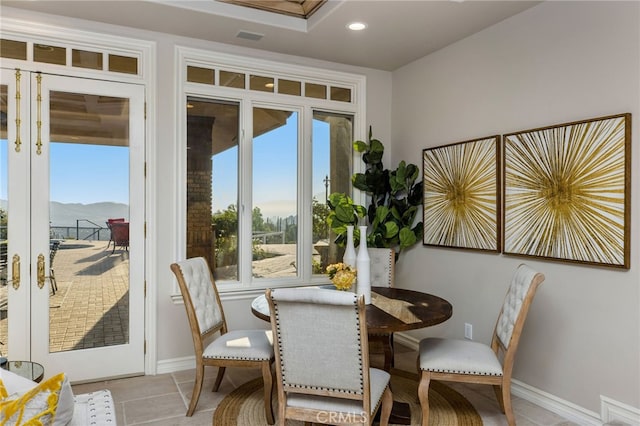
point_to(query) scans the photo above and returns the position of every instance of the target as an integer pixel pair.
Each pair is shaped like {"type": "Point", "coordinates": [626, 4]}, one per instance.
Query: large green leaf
{"type": "Point", "coordinates": [391, 229]}
{"type": "Point", "coordinates": [407, 238]}
{"type": "Point", "coordinates": [360, 146]}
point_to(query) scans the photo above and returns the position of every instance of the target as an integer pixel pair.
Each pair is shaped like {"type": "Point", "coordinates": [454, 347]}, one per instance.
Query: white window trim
{"type": "Point", "coordinates": [187, 56]}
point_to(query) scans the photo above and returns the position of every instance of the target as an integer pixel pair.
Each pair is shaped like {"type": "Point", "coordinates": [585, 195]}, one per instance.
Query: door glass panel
{"type": "Point", "coordinates": [275, 188]}
{"type": "Point", "coordinates": [3, 217]}
{"type": "Point", "coordinates": [89, 221]}
{"type": "Point", "coordinates": [332, 169]}
{"type": "Point", "coordinates": [212, 184]}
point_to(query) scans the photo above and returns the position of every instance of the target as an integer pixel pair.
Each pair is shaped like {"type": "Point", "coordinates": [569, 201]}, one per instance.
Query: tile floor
{"type": "Point", "coordinates": [162, 400]}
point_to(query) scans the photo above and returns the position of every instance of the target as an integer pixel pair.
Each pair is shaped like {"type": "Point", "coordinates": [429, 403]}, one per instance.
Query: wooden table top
{"type": "Point", "coordinates": [391, 310]}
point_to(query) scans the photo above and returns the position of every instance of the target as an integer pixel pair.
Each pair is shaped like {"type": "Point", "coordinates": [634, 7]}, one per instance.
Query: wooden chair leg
{"type": "Point", "coordinates": [281, 414]}
{"type": "Point", "coordinates": [267, 378]}
{"type": "Point", "coordinates": [506, 403]}
{"type": "Point", "coordinates": [197, 387]}
{"type": "Point", "coordinates": [54, 283]}
{"type": "Point", "coordinates": [497, 389]}
{"type": "Point", "coordinates": [423, 395]}
{"type": "Point", "coordinates": [387, 405]}
{"type": "Point", "coordinates": [219, 377]}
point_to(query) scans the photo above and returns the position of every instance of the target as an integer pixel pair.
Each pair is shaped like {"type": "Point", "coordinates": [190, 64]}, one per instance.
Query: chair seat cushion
{"type": "Point", "coordinates": [254, 345]}
{"type": "Point", "coordinates": [378, 379]}
{"type": "Point", "coordinates": [458, 356]}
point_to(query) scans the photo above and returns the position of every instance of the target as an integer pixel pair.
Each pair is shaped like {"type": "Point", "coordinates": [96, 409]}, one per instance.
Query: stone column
{"type": "Point", "coordinates": [199, 174]}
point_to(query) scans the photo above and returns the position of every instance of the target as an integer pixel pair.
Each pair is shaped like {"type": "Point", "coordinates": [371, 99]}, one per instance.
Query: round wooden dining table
{"type": "Point", "coordinates": [391, 310]}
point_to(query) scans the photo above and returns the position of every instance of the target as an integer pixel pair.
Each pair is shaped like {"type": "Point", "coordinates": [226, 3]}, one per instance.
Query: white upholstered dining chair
{"type": "Point", "coordinates": [237, 348]}
{"type": "Point", "coordinates": [383, 262]}
{"type": "Point", "coordinates": [457, 360]}
{"type": "Point", "coordinates": [322, 362]}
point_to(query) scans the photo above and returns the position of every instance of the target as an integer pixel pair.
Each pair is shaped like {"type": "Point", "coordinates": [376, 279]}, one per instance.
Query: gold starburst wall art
{"type": "Point", "coordinates": [461, 202]}
{"type": "Point", "coordinates": [567, 192]}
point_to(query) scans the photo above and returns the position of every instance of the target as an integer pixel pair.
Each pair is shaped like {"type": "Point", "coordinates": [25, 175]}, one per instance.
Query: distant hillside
{"type": "Point", "coordinates": [67, 214]}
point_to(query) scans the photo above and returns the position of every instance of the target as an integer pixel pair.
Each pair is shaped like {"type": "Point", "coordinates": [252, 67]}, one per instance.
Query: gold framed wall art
{"type": "Point", "coordinates": [567, 192]}
{"type": "Point", "coordinates": [461, 196]}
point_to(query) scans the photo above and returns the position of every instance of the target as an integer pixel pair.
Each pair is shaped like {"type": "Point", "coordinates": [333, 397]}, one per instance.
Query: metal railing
{"type": "Point", "coordinates": [95, 232]}
{"type": "Point", "coordinates": [263, 236]}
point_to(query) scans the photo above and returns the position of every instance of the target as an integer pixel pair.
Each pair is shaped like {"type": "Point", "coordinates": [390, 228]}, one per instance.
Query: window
{"type": "Point", "coordinates": [261, 161]}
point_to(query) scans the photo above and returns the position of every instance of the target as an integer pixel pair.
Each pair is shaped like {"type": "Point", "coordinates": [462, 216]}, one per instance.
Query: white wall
{"type": "Point", "coordinates": [555, 63]}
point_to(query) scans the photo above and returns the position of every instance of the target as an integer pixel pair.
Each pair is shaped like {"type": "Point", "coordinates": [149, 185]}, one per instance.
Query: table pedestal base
{"type": "Point", "coordinates": [400, 413]}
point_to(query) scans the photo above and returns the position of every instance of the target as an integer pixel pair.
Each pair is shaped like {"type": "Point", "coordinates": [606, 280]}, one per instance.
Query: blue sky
{"type": "Point", "coordinates": [275, 159]}
{"type": "Point", "coordinates": [82, 173]}
{"type": "Point", "coordinates": [89, 173]}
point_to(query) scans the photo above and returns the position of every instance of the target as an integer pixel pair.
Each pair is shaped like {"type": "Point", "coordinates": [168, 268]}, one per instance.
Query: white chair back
{"type": "Point", "coordinates": [522, 285]}
{"type": "Point", "coordinates": [202, 294]}
{"type": "Point", "coordinates": [382, 266]}
{"type": "Point", "coordinates": [318, 333]}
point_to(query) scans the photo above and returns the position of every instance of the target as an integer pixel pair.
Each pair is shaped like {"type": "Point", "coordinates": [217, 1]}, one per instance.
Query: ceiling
{"type": "Point", "coordinates": [398, 31]}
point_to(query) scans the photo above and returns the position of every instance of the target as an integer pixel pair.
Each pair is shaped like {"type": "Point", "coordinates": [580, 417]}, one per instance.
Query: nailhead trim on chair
{"type": "Point", "coordinates": [235, 357]}
{"type": "Point", "coordinates": [475, 373]}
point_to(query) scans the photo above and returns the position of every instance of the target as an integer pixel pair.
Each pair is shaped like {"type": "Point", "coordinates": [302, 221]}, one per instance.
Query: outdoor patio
{"type": "Point", "coordinates": [91, 304]}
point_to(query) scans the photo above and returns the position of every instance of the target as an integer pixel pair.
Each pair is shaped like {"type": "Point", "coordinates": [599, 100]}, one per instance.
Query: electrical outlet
{"type": "Point", "coordinates": [468, 331]}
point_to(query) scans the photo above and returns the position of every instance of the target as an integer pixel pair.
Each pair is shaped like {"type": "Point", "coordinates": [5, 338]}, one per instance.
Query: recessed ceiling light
{"type": "Point", "coordinates": [357, 26]}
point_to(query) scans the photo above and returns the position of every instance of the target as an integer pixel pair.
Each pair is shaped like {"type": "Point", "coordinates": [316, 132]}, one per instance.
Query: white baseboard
{"type": "Point", "coordinates": [561, 407]}
{"type": "Point", "coordinates": [618, 413]}
{"type": "Point", "coordinates": [611, 411]}
{"type": "Point", "coordinates": [176, 364]}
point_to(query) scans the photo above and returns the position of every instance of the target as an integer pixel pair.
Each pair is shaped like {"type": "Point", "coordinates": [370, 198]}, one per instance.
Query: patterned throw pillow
{"type": "Point", "coordinates": [35, 407]}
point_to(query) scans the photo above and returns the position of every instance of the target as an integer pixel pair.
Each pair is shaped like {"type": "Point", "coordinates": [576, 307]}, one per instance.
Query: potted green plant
{"type": "Point", "coordinates": [394, 197]}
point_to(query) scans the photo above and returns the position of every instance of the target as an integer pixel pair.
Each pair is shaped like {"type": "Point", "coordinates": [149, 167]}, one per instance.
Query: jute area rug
{"type": "Point", "coordinates": [244, 406]}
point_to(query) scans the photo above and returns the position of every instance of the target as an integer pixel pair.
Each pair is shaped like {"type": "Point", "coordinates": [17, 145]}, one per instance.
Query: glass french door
{"type": "Point", "coordinates": [72, 224]}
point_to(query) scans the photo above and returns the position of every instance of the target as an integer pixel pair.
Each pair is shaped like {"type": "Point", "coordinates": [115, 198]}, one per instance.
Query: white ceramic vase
{"type": "Point", "coordinates": [349, 257]}
{"type": "Point", "coordinates": [363, 265]}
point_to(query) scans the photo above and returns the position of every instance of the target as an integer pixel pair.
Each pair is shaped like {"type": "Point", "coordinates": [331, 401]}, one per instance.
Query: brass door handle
{"type": "Point", "coordinates": [41, 276]}
{"type": "Point", "coordinates": [15, 274]}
